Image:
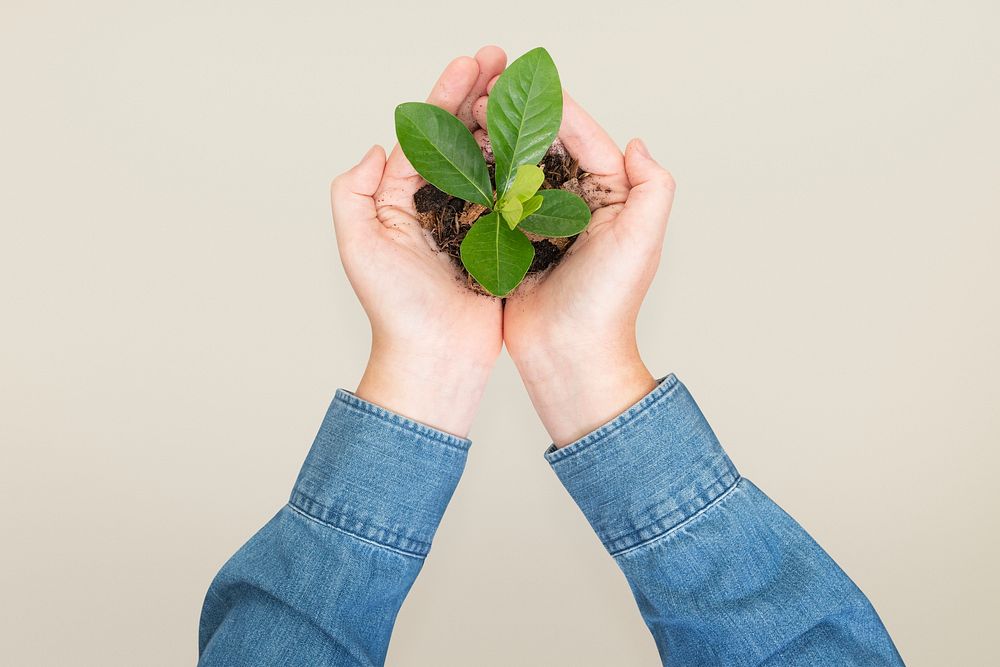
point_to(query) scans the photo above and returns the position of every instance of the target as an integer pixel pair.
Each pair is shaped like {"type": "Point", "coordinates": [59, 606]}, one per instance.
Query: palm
{"type": "Point", "coordinates": [615, 258]}
{"type": "Point", "coordinates": [418, 286]}
{"type": "Point", "coordinates": [410, 290]}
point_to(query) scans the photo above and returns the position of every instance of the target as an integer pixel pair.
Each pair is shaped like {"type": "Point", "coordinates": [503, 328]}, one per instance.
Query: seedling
{"type": "Point", "coordinates": [523, 115]}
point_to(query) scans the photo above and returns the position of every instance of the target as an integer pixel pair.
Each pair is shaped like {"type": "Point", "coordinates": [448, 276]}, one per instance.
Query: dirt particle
{"type": "Point", "coordinates": [429, 198]}
{"type": "Point", "coordinates": [546, 254]}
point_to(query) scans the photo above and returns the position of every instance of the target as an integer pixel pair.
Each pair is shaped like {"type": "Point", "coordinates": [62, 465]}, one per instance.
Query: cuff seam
{"type": "Point", "coordinates": [352, 401]}
{"type": "Point", "coordinates": [662, 391]}
{"type": "Point", "coordinates": [379, 537]}
{"type": "Point", "coordinates": [690, 519]}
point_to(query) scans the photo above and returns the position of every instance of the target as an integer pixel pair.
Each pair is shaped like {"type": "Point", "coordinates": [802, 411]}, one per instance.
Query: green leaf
{"type": "Point", "coordinates": [523, 113]}
{"type": "Point", "coordinates": [495, 255]}
{"type": "Point", "coordinates": [531, 206]}
{"type": "Point", "coordinates": [526, 182]}
{"type": "Point", "coordinates": [562, 214]}
{"type": "Point", "coordinates": [443, 151]}
{"type": "Point", "coordinates": [512, 211]}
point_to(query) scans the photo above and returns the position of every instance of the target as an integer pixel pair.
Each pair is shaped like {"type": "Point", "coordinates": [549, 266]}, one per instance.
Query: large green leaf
{"type": "Point", "coordinates": [497, 256]}
{"type": "Point", "coordinates": [443, 151]}
{"type": "Point", "coordinates": [523, 113]}
{"type": "Point", "coordinates": [562, 214]}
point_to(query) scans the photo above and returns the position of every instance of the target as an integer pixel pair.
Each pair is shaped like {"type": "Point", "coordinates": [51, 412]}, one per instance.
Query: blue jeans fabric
{"type": "Point", "coordinates": [721, 574]}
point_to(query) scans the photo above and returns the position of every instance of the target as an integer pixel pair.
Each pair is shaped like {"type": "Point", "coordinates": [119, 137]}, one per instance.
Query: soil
{"type": "Point", "coordinates": [449, 218]}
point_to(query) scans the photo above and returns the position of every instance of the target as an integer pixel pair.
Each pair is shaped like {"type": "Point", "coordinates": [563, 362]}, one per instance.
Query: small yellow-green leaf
{"type": "Point", "coordinates": [562, 214]}
{"type": "Point", "coordinates": [512, 212]}
{"type": "Point", "coordinates": [526, 182]}
{"type": "Point", "coordinates": [531, 206]}
{"type": "Point", "coordinates": [495, 255]}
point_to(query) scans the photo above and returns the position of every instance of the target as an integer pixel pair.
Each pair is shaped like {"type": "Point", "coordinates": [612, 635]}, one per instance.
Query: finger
{"type": "Point", "coordinates": [588, 142]}
{"type": "Point", "coordinates": [484, 144]}
{"type": "Point", "coordinates": [351, 194]}
{"type": "Point", "coordinates": [583, 137]}
{"type": "Point", "coordinates": [652, 193]}
{"type": "Point", "coordinates": [493, 82]}
{"type": "Point", "coordinates": [604, 182]}
{"type": "Point", "coordinates": [492, 60]}
{"type": "Point", "coordinates": [454, 84]}
{"type": "Point", "coordinates": [479, 110]}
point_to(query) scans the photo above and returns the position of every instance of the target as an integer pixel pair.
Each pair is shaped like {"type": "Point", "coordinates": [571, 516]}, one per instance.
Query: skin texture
{"type": "Point", "coordinates": [570, 331]}
{"type": "Point", "coordinates": [433, 341]}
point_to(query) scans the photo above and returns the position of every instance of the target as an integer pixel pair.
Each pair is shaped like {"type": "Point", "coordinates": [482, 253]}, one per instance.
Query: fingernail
{"type": "Point", "coordinates": [640, 146]}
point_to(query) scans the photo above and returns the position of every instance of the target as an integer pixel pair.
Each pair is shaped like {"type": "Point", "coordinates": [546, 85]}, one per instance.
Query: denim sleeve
{"type": "Point", "coordinates": [322, 582]}
{"type": "Point", "coordinates": [721, 574]}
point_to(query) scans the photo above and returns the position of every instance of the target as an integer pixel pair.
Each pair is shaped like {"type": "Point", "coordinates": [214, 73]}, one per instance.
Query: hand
{"type": "Point", "coordinates": [571, 332]}
{"type": "Point", "coordinates": [434, 341]}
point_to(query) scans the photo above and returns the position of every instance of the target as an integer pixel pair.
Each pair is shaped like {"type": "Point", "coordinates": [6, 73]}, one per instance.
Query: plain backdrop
{"type": "Point", "coordinates": [174, 318]}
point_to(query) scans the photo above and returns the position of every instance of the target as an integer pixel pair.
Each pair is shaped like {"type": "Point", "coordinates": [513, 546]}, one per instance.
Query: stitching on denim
{"type": "Point", "coordinates": [343, 520]}
{"type": "Point", "coordinates": [727, 476]}
{"type": "Point", "coordinates": [697, 515]}
{"type": "Point", "coordinates": [392, 419]}
{"type": "Point", "coordinates": [398, 421]}
{"type": "Point", "coordinates": [666, 388]}
{"type": "Point", "coordinates": [401, 552]}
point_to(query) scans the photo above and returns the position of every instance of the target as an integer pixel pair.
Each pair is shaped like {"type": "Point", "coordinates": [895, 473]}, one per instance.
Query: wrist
{"type": "Point", "coordinates": [440, 389]}
{"type": "Point", "coordinates": [576, 389]}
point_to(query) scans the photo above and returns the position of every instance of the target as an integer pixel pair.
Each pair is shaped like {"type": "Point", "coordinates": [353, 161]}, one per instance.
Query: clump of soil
{"type": "Point", "coordinates": [448, 218]}
{"type": "Point", "coordinates": [547, 253]}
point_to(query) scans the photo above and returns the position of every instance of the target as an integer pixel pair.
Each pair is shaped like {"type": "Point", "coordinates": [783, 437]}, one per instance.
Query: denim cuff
{"type": "Point", "coordinates": [379, 476]}
{"type": "Point", "coordinates": [646, 471]}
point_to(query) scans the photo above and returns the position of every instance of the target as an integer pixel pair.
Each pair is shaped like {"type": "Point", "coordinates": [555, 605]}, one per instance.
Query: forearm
{"type": "Point", "coordinates": [721, 574]}
{"type": "Point", "coordinates": [322, 582]}
{"type": "Point", "coordinates": [432, 385]}
{"type": "Point", "coordinates": [578, 384]}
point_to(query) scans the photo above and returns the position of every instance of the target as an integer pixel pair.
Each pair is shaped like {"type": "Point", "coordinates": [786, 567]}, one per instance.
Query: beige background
{"type": "Point", "coordinates": [175, 319]}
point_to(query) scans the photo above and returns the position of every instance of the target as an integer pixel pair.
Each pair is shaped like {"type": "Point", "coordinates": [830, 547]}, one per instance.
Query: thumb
{"type": "Point", "coordinates": [351, 193]}
{"type": "Point", "coordinates": [652, 191]}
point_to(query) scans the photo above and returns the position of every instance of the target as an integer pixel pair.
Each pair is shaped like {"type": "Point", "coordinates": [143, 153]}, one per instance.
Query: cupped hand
{"type": "Point", "coordinates": [571, 331]}
{"type": "Point", "coordinates": [434, 341]}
